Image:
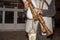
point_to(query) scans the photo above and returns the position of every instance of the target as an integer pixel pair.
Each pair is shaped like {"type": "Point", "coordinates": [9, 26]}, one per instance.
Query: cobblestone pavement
{"type": "Point", "coordinates": [57, 34]}
{"type": "Point", "coordinates": [20, 35]}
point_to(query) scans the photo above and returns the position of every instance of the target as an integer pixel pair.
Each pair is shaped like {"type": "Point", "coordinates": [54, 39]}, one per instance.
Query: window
{"type": "Point", "coordinates": [1, 14]}
{"type": "Point", "coordinates": [8, 5]}
{"type": "Point", "coordinates": [9, 17]}
{"type": "Point", "coordinates": [1, 5]}
{"type": "Point", "coordinates": [21, 17]}
{"type": "Point", "coordinates": [20, 6]}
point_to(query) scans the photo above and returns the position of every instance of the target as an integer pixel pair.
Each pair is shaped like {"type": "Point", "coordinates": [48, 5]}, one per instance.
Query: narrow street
{"type": "Point", "coordinates": [20, 35]}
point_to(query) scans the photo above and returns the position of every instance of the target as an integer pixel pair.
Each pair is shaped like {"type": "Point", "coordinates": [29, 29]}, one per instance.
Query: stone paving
{"type": "Point", "coordinates": [20, 35]}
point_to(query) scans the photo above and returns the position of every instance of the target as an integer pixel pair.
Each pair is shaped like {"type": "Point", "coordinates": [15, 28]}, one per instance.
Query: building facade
{"type": "Point", "coordinates": [12, 17]}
